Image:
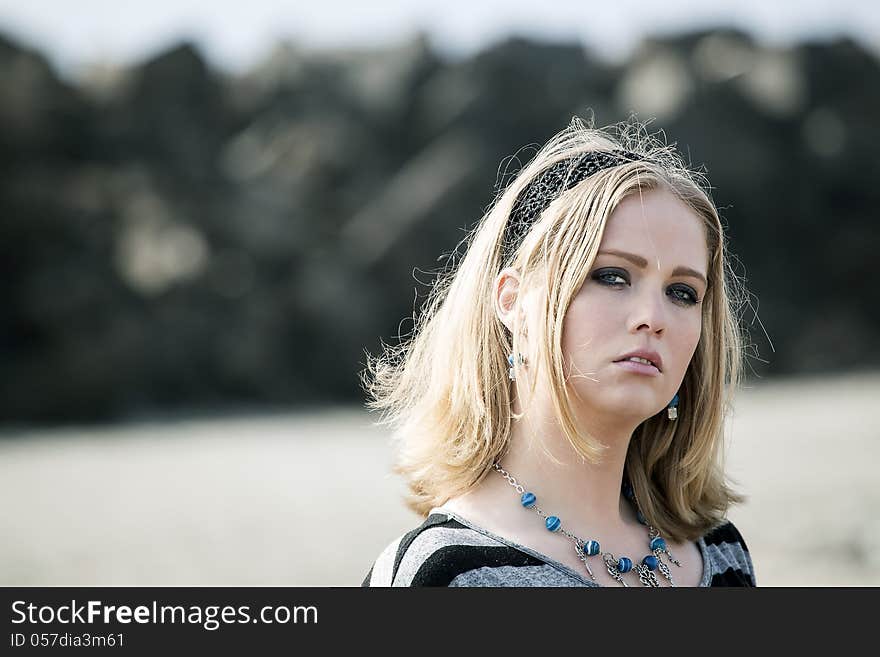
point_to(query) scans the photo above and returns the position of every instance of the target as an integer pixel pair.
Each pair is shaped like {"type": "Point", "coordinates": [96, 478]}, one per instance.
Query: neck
{"type": "Point", "coordinates": [586, 496]}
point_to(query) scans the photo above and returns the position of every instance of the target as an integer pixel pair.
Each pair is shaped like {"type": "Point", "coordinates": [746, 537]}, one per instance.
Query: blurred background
{"type": "Point", "coordinates": [210, 211]}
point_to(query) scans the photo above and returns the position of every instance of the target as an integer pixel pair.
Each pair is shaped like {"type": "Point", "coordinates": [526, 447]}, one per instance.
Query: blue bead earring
{"type": "Point", "coordinates": [672, 409]}
{"type": "Point", "coordinates": [510, 361]}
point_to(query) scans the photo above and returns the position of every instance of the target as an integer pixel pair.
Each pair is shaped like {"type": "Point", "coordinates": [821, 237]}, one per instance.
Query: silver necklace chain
{"type": "Point", "coordinates": [646, 575]}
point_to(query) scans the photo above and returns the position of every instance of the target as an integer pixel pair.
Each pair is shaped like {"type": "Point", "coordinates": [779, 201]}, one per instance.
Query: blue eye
{"type": "Point", "coordinates": [607, 277]}
{"type": "Point", "coordinates": [682, 295]}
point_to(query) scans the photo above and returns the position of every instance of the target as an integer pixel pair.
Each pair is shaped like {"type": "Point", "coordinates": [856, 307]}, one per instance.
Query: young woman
{"type": "Point", "coordinates": [559, 410]}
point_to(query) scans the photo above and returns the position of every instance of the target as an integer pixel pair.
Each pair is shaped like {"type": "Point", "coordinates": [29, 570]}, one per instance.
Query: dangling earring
{"type": "Point", "coordinates": [672, 409]}
{"type": "Point", "coordinates": [511, 372]}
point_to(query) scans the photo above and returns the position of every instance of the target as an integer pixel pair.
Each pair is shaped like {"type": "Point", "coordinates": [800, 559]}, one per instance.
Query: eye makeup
{"type": "Point", "coordinates": [613, 277]}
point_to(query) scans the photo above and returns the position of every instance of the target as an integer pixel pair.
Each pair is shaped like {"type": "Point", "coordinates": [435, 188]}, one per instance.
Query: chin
{"type": "Point", "coordinates": [626, 402]}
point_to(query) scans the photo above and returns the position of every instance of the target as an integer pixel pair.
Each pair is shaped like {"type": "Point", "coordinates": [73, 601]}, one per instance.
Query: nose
{"type": "Point", "coordinates": [648, 313]}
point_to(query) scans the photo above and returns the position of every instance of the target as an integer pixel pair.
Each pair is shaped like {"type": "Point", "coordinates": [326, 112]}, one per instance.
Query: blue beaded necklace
{"type": "Point", "coordinates": [616, 567]}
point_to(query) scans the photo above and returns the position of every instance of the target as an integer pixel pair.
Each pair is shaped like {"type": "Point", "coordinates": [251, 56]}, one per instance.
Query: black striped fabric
{"type": "Point", "coordinates": [446, 550]}
{"type": "Point", "coordinates": [737, 569]}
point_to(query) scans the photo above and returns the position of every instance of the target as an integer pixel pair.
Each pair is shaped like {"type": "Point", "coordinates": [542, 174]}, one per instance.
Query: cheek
{"type": "Point", "coordinates": [688, 345]}
{"type": "Point", "coordinates": [586, 324]}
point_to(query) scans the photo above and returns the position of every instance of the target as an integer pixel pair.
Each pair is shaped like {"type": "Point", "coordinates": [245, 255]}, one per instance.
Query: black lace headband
{"type": "Point", "coordinates": [550, 184]}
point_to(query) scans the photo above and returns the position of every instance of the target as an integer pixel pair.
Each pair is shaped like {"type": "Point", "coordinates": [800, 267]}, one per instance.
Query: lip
{"type": "Point", "coordinates": [652, 356]}
{"type": "Point", "coordinates": [638, 368]}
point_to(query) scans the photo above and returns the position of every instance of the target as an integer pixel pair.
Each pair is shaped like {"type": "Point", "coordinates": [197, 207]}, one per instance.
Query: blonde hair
{"type": "Point", "coordinates": [445, 390]}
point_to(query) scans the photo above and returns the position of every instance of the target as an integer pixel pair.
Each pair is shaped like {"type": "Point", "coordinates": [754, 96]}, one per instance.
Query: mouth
{"type": "Point", "coordinates": [645, 357]}
{"type": "Point", "coordinates": [639, 366]}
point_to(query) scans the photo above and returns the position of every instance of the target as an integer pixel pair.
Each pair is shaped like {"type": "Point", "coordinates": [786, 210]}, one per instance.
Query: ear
{"type": "Point", "coordinates": [506, 294]}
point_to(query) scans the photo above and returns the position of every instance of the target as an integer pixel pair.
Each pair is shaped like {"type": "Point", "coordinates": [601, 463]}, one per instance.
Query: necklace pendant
{"type": "Point", "coordinates": [657, 545]}
{"type": "Point", "coordinates": [658, 548]}
{"type": "Point", "coordinates": [671, 558]}
{"type": "Point", "coordinates": [647, 576]}
{"type": "Point", "coordinates": [663, 568]}
{"type": "Point", "coordinates": [610, 565]}
{"type": "Point", "coordinates": [583, 557]}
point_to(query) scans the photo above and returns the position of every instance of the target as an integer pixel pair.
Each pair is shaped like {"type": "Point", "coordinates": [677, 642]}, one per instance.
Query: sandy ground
{"type": "Point", "coordinates": [307, 499]}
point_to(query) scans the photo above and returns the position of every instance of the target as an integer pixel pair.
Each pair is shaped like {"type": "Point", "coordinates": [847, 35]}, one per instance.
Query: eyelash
{"type": "Point", "coordinates": [690, 300]}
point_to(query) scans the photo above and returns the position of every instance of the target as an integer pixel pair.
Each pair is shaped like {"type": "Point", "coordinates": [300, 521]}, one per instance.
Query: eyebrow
{"type": "Point", "coordinates": [640, 262]}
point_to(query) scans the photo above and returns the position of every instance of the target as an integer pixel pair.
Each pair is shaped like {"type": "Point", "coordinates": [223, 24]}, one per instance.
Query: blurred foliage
{"type": "Point", "coordinates": [172, 237]}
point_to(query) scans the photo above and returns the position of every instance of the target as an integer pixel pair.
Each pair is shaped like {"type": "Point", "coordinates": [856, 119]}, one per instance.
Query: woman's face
{"type": "Point", "coordinates": [643, 293]}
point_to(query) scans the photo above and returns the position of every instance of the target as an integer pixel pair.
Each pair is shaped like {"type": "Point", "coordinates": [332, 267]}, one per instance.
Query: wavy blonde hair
{"type": "Point", "coordinates": [445, 391]}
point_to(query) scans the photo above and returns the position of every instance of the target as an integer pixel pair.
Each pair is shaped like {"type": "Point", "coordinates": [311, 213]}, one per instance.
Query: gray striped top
{"type": "Point", "coordinates": [448, 550]}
